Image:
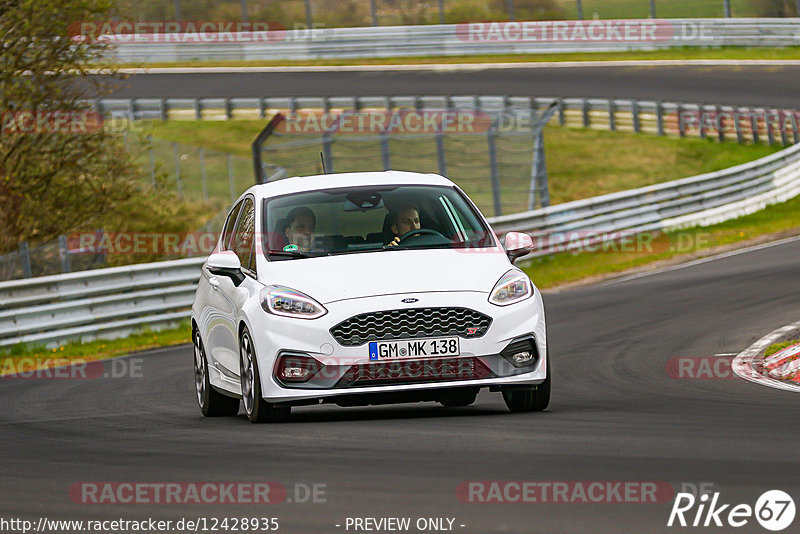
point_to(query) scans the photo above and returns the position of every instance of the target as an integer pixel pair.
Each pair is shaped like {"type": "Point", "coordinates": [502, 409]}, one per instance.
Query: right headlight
{"type": "Point", "coordinates": [513, 287]}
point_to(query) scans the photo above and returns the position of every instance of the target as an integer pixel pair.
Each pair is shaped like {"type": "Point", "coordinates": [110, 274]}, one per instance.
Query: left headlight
{"type": "Point", "coordinates": [514, 286]}
{"type": "Point", "coordinates": [289, 302]}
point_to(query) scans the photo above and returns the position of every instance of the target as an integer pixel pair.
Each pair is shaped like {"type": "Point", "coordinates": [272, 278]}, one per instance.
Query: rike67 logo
{"type": "Point", "coordinates": [774, 510]}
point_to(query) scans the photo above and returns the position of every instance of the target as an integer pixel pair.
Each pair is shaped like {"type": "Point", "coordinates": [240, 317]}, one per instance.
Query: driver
{"type": "Point", "coordinates": [403, 220]}
{"type": "Point", "coordinates": [300, 225]}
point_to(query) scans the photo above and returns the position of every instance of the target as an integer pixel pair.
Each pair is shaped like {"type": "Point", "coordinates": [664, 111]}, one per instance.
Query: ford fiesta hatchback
{"type": "Point", "coordinates": [365, 288]}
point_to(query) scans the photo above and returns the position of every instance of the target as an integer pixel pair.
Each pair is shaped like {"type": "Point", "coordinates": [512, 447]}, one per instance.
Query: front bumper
{"type": "Point", "coordinates": [348, 370]}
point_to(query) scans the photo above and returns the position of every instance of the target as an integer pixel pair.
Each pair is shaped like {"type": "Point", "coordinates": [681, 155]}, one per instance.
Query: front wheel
{"type": "Point", "coordinates": [212, 403]}
{"type": "Point", "coordinates": [530, 400]}
{"type": "Point", "coordinates": [257, 409]}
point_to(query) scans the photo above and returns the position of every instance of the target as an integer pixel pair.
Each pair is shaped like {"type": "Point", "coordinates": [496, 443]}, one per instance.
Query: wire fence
{"type": "Point", "coordinates": [195, 174]}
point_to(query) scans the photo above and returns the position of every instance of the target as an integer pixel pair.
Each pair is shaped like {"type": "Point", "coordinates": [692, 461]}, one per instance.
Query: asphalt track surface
{"type": "Point", "coordinates": [777, 86]}
{"type": "Point", "coordinates": [616, 415]}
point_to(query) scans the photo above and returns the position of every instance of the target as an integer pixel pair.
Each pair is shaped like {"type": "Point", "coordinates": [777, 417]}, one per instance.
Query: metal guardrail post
{"type": "Point", "coordinates": [579, 7]}
{"type": "Point", "coordinates": [201, 152]}
{"type": "Point", "coordinates": [25, 259]}
{"type": "Point", "coordinates": [386, 157]}
{"type": "Point", "coordinates": [510, 4]}
{"type": "Point", "coordinates": [793, 118]}
{"type": "Point", "coordinates": [637, 124]}
{"type": "Point", "coordinates": [660, 118]}
{"type": "Point", "coordinates": [327, 152]}
{"type": "Point", "coordinates": [539, 187]}
{"type": "Point", "coordinates": [585, 112]}
{"type": "Point", "coordinates": [262, 108]}
{"type": "Point", "coordinates": [770, 129]}
{"type": "Point", "coordinates": [374, 12]}
{"type": "Point", "coordinates": [132, 109]}
{"type": "Point", "coordinates": [231, 184]}
{"type": "Point", "coordinates": [701, 125]}
{"type": "Point", "coordinates": [720, 124]}
{"type": "Point", "coordinates": [652, 9]}
{"type": "Point", "coordinates": [63, 253]}
{"type": "Point", "coordinates": [228, 109]}
{"type": "Point", "coordinates": [152, 161]}
{"type": "Point", "coordinates": [784, 137]}
{"type": "Point", "coordinates": [727, 9]}
{"type": "Point", "coordinates": [258, 143]}
{"type": "Point", "coordinates": [441, 11]}
{"type": "Point", "coordinates": [176, 156]}
{"type": "Point", "coordinates": [309, 17]}
{"type": "Point", "coordinates": [441, 157]}
{"type": "Point", "coordinates": [738, 126]}
{"type": "Point", "coordinates": [162, 109]}
{"type": "Point", "coordinates": [198, 109]}
{"type": "Point", "coordinates": [612, 119]}
{"type": "Point", "coordinates": [681, 125]}
{"type": "Point", "coordinates": [491, 141]}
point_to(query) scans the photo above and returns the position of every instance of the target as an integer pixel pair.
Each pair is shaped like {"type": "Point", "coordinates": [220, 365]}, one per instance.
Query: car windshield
{"type": "Point", "coordinates": [370, 219]}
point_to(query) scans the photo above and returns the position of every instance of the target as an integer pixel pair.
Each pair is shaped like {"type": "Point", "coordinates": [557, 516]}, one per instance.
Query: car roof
{"type": "Point", "coordinates": [299, 184]}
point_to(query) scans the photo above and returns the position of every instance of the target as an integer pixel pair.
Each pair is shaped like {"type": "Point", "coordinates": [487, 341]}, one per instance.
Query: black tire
{"type": "Point", "coordinates": [212, 403]}
{"type": "Point", "coordinates": [530, 400]}
{"type": "Point", "coordinates": [257, 409]}
{"type": "Point", "coordinates": [459, 399]}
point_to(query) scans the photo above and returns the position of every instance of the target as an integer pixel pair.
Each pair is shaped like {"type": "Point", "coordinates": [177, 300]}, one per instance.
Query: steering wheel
{"type": "Point", "coordinates": [420, 232]}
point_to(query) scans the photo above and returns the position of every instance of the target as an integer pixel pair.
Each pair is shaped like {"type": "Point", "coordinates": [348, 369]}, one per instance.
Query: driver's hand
{"type": "Point", "coordinates": [394, 242]}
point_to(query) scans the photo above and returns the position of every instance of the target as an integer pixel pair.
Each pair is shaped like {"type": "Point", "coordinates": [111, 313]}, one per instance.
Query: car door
{"type": "Point", "coordinates": [219, 310]}
{"type": "Point", "coordinates": [242, 244]}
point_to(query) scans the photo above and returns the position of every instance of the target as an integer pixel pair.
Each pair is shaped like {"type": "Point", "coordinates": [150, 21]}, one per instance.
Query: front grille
{"type": "Point", "coordinates": [414, 371]}
{"type": "Point", "coordinates": [411, 323]}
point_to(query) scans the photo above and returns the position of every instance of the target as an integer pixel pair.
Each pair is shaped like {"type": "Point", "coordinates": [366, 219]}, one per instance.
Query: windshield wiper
{"type": "Point", "coordinates": [287, 254]}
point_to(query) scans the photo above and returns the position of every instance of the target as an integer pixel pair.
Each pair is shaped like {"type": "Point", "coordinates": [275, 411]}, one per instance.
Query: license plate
{"type": "Point", "coordinates": [404, 349]}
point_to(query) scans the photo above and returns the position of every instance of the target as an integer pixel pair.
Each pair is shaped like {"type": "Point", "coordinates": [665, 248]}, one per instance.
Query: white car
{"type": "Point", "coordinates": [365, 288]}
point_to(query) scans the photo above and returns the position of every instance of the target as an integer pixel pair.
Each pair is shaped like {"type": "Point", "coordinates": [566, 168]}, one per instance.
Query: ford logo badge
{"type": "Point", "coordinates": [410, 301]}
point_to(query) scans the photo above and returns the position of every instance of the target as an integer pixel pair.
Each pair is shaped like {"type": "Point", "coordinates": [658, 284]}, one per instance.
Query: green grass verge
{"type": "Point", "coordinates": [22, 357]}
{"type": "Point", "coordinates": [775, 347]}
{"type": "Point", "coordinates": [564, 268]}
{"type": "Point", "coordinates": [685, 53]}
{"type": "Point", "coordinates": [631, 9]}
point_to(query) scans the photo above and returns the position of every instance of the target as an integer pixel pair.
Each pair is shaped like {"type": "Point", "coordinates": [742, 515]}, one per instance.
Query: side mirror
{"type": "Point", "coordinates": [226, 263]}
{"type": "Point", "coordinates": [517, 245]}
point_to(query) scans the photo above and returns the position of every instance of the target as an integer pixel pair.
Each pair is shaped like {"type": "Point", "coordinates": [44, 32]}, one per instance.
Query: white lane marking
{"type": "Point", "coordinates": [726, 354]}
{"type": "Point", "coordinates": [742, 365]}
{"type": "Point", "coordinates": [679, 266]}
{"type": "Point", "coordinates": [463, 66]}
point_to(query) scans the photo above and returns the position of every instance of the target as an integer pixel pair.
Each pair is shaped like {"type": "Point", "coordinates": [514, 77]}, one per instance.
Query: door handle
{"type": "Point", "coordinates": [214, 282]}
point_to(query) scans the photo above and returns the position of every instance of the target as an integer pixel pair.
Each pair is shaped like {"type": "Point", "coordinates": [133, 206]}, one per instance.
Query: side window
{"type": "Point", "coordinates": [245, 232]}
{"type": "Point", "coordinates": [227, 234]}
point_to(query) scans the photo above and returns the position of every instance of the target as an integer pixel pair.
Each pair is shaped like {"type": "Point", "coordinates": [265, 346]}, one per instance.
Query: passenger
{"type": "Point", "coordinates": [300, 225]}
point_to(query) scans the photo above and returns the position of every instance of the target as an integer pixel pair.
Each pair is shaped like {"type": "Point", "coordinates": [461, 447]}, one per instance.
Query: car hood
{"type": "Point", "coordinates": [331, 278]}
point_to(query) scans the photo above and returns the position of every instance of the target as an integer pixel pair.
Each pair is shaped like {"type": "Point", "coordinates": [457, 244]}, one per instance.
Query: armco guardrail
{"type": "Point", "coordinates": [112, 302]}
{"type": "Point", "coordinates": [101, 303]}
{"type": "Point", "coordinates": [743, 124]}
{"type": "Point", "coordinates": [457, 39]}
